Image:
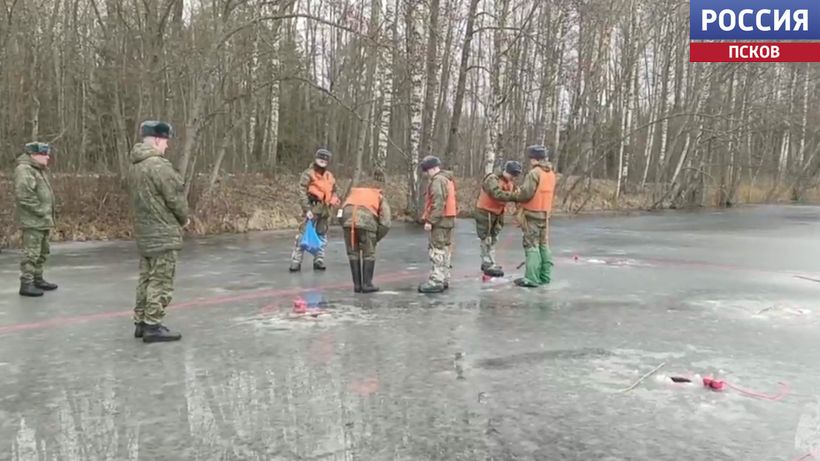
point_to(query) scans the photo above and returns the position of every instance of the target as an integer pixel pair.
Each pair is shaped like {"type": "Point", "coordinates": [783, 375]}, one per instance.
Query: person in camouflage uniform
{"type": "Point", "coordinates": [366, 221]}
{"type": "Point", "coordinates": [317, 194]}
{"type": "Point", "coordinates": [35, 216]}
{"type": "Point", "coordinates": [160, 213]}
{"type": "Point", "coordinates": [440, 212]}
{"type": "Point", "coordinates": [535, 197]}
{"type": "Point", "coordinates": [496, 189]}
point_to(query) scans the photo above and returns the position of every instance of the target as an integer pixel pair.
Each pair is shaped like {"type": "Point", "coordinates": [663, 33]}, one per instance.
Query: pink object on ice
{"type": "Point", "coordinates": [299, 306]}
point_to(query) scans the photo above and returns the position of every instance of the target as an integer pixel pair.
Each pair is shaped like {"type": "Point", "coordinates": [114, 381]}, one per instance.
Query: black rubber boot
{"type": "Point", "coordinates": [294, 267]}
{"type": "Point", "coordinates": [492, 271]}
{"type": "Point", "coordinates": [159, 334]}
{"type": "Point", "coordinates": [29, 290]}
{"type": "Point", "coordinates": [356, 272]}
{"type": "Point", "coordinates": [368, 267]}
{"type": "Point", "coordinates": [319, 265]}
{"type": "Point", "coordinates": [524, 283]}
{"type": "Point", "coordinates": [139, 327]}
{"type": "Point", "coordinates": [43, 285]}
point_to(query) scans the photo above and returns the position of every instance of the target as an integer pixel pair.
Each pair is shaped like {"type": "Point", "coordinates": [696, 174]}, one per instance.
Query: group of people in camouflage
{"type": "Point", "coordinates": [365, 217]}
{"type": "Point", "coordinates": [161, 213]}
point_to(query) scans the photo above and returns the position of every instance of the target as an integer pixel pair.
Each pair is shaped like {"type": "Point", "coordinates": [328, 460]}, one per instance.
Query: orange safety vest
{"type": "Point", "coordinates": [366, 197]}
{"type": "Point", "coordinates": [450, 207]}
{"type": "Point", "coordinates": [487, 203]}
{"type": "Point", "coordinates": [541, 201]}
{"type": "Point", "coordinates": [321, 186]}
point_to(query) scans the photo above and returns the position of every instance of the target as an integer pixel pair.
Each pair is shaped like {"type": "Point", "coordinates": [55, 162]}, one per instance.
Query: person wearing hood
{"type": "Point", "coordinates": [440, 211]}
{"type": "Point", "coordinates": [366, 221]}
{"type": "Point", "coordinates": [160, 213]}
{"type": "Point", "coordinates": [317, 194]}
{"type": "Point", "coordinates": [497, 189]}
{"type": "Point", "coordinates": [535, 198]}
{"type": "Point", "coordinates": [35, 216]}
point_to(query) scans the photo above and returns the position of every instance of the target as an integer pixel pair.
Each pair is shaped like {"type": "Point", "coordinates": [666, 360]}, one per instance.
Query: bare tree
{"type": "Point", "coordinates": [254, 85]}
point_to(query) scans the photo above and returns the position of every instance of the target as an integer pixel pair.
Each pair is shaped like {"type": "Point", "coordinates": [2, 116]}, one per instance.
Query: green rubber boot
{"type": "Point", "coordinates": [532, 275]}
{"type": "Point", "coordinates": [545, 271]}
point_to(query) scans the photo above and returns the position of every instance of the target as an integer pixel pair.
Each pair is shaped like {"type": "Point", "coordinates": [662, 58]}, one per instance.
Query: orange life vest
{"type": "Point", "coordinates": [541, 201]}
{"type": "Point", "coordinates": [366, 197]}
{"type": "Point", "coordinates": [487, 203]}
{"type": "Point", "coordinates": [450, 207]}
{"type": "Point", "coordinates": [321, 186]}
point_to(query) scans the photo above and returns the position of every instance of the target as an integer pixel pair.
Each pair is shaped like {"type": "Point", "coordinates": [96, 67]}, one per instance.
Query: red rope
{"type": "Point", "coordinates": [809, 455]}
{"type": "Point", "coordinates": [784, 391]}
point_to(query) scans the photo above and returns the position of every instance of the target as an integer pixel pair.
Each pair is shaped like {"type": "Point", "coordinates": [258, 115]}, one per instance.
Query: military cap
{"type": "Point", "coordinates": [428, 162]}
{"type": "Point", "coordinates": [539, 152]}
{"type": "Point", "coordinates": [512, 167]}
{"type": "Point", "coordinates": [156, 129]}
{"type": "Point", "coordinates": [323, 154]}
{"type": "Point", "coordinates": [38, 148]}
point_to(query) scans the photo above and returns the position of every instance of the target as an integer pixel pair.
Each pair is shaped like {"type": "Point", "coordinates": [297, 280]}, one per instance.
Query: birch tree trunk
{"type": "Point", "coordinates": [384, 90]}
{"type": "Point", "coordinates": [413, 10]}
{"type": "Point", "coordinates": [495, 141]}
{"type": "Point", "coordinates": [430, 81]}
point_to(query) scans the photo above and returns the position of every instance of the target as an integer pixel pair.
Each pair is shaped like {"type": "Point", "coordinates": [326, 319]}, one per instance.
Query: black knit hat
{"type": "Point", "coordinates": [431, 161]}
{"type": "Point", "coordinates": [513, 168]}
{"type": "Point", "coordinates": [156, 129]}
{"type": "Point", "coordinates": [323, 154]}
{"type": "Point", "coordinates": [539, 152]}
{"type": "Point", "coordinates": [38, 148]}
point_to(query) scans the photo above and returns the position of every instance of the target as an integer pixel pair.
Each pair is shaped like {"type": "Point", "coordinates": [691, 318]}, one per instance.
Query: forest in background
{"type": "Point", "coordinates": [253, 87]}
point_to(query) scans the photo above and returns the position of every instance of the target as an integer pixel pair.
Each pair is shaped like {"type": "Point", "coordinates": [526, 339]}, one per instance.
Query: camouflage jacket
{"type": "Point", "coordinates": [306, 202]}
{"type": "Point", "coordinates": [438, 191]}
{"type": "Point", "coordinates": [33, 194]}
{"type": "Point", "coordinates": [158, 198]}
{"type": "Point", "coordinates": [492, 186]}
{"type": "Point", "coordinates": [528, 188]}
{"type": "Point", "coordinates": [367, 221]}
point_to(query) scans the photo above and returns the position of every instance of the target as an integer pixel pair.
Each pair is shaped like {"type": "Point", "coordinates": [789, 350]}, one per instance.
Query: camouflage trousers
{"type": "Point", "coordinates": [488, 226]}
{"type": "Point", "coordinates": [440, 251]}
{"type": "Point", "coordinates": [321, 229]}
{"type": "Point", "coordinates": [536, 233]}
{"type": "Point", "coordinates": [538, 257]}
{"type": "Point", "coordinates": [155, 288]}
{"type": "Point", "coordinates": [363, 247]}
{"type": "Point", "coordinates": [35, 253]}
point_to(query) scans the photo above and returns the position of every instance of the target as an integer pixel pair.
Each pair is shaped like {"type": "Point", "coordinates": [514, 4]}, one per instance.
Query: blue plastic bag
{"type": "Point", "coordinates": [310, 239]}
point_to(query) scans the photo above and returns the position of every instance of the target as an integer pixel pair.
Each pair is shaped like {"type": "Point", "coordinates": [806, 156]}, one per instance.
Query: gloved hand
{"type": "Point", "coordinates": [309, 214]}
{"type": "Point", "coordinates": [428, 227]}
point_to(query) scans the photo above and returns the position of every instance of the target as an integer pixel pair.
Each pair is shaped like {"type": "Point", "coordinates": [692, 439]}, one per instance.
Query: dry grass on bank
{"type": "Point", "coordinates": [94, 207]}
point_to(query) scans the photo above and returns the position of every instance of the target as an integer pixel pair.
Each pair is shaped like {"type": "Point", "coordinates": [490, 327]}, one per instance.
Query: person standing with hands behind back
{"type": "Point", "coordinates": [35, 216]}
{"type": "Point", "coordinates": [160, 213]}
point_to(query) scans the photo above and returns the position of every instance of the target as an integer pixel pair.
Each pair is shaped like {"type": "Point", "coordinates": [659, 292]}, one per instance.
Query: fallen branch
{"type": "Point", "coordinates": [633, 386]}
{"type": "Point", "coordinates": [806, 278]}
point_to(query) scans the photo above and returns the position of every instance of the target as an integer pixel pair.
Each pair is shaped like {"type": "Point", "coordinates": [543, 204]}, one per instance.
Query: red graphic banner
{"type": "Point", "coordinates": [754, 51]}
